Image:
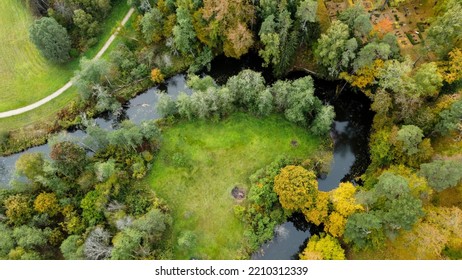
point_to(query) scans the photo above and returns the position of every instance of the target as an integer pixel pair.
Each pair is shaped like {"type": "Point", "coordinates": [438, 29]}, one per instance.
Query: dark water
{"type": "Point", "coordinates": [350, 133]}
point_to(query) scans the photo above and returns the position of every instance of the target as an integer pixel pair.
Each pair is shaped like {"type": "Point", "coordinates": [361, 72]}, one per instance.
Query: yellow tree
{"type": "Point", "coordinates": [296, 187]}
{"type": "Point", "coordinates": [324, 247]}
{"type": "Point", "coordinates": [46, 203]}
{"type": "Point", "coordinates": [344, 204]}
{"type": "Point", "coordinates": [318, 212]}
{"type": "Point", "coordinates": [452, 70]}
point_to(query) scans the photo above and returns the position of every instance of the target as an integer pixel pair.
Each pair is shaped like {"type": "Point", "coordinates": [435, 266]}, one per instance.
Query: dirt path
{"type": "Point", "coordinates": [69, 84]}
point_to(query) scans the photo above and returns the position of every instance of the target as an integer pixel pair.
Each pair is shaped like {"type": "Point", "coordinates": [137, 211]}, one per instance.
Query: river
{"type": "Point", "coordinates": [350, 133]}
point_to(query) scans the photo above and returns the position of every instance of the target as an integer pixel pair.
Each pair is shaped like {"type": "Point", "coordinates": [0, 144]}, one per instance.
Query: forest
{"type": "Point", "coordinates": [230, 158]}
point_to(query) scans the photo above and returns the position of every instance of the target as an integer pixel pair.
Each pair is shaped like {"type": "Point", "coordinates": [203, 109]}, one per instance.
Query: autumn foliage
{"type": "Point", "coordinates": [296, 187]}
{"type": "Point", "coordinates": [157, 76]}
{"type": "Point", "coordinates": [383, 27]}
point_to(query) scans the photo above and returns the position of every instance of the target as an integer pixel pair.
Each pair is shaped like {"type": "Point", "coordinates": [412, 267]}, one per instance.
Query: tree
{"type": "Point", "coordinates": [30, 165]}
{"type": "Point", "coordinates": [410, 136]}
{"type": "Point", "coordinates": [317, 212]}
{"type": "Point", "coordinates": [323, 120]}
{"type": "Point", "coordinates": [343, 199]}
{"type": "Point", "coordinates": [301, 101]}
{"type": "Point", "coordinates": [363, 230]}
{"type": "Point", "coordinates": [445, 32]}
{"type": "Point", "coordinates": [153, 224]}
{"type": "Point", "coordinates": [226, 21]}
{"type": "Point", "coordinates": [453, 70]}
{"type": "Point", "coordinates": [68, 158]}
{"type": "Point", "coordinates": [72, 248]}
{"type": "Point", "coordinates": [152, 25]}
{"type": "Point", "coordinates": [306, 12]}
{"type": "Point", "coordinates": [87, 26]}
{"type": "Point", "coordinates": [97, 245]}
{"type": "Point", "coordinates": [326, 246]}
{"type": "Point", "coordinates": [442, 174]}
{"type": "Point", "coordinates": [428, 80]}
{"type": "Point", "coordinates": [296, 187]}
{"type": "Point", "coordinates": [30, 238]}
{"type": "Point", "coordinates": [344, 204]}
{"type": "Point", "coordinates": [402, 213]}
{"type": "Point", "coordinates": [6, 241]}
{"type": "Point", "coordinates": [47, 203]}
{"type": "Point", "coordinates": [92, 73]}
{"type": "Point", "coordinates": [357, 20]}
{"type": "Point", "coordinates": [157, 76]}
{"type": "Point", "coordinates": [394, 76]}
{"type": "Point", "coordinates": [184, 33]}
{"type": "Point", "coordinates": [165, 105]}
{"type": "Point", "coordinates": [126, 244]}
{"type": "Point", "coordinates": [51, 39]}
{"type": "Point", "coordinates": [18, 209]}
{"type": "Point", "coordinates": [331, 47]}
{"type": "Point", "coordinates": [371, 52]}
{"type": "Point", "coordinates": [239, 40]}
{"type": "Point", "coordinates": [450, 119]}
{"type": "Point", "coordinates": [246, 87]}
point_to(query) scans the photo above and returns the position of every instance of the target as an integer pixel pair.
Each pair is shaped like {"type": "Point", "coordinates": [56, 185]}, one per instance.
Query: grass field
{"type": "Point", "coordinates": [46, 112]}
{"type": "Point", "coordinates": [200, 163]}
{"type": "Point", "coordinates": [25, 75]}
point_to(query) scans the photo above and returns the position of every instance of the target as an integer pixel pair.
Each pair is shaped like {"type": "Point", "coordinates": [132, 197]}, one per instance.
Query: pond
{"type": "Point", "coordinates": [350, 134]}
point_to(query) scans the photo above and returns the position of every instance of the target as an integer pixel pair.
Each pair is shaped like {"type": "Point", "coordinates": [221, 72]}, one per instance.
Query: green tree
{"type": "Point", "coordinates": [6, 241]}
{"type": "Point", "coordinates": [30, 238]}
{"type": "Point", "coordinates": [324, 247]}
{"type": "Point", "coordinates": [87, 26]}
{"type": "Point", "coordinates": [364, 230]}
{"type": "Point", "coordinates": [296, 187]}
{"type": "Point", "coordinates": [331, 47]}
{"type": "Point", "coordinates": [445, 32]}
{"type": "Point", "coordinates": [410, 136]}
{"type": "Point", "coordinates": [30, 165]}
{"type": "Point", "coordinates": [152, 25]}
{"type": "Point", "coordinates": [428, 80]}
{"type": "Point", "coordinates": [72, 248]}
{"type": "Point", "coordinates": [165, 106]}
{"type": "Point", "coordinates": [92, 73]}
{"type": "Point", "coordinates": [301, 101]}
{"type": "Point", "coordinates": [184, 33]}
{"type": "Point", "coordinates": [323, 121]}
{"type": "Point", "coordinates": [442, 174]}
{"type": "Point", "coordinates": [246, 87]}
{"type": "Point", "coordinates": [153, 224]}
{"type": "Point", "coordinates": [126, 243]}
{"type": "Point", "coordinates": [51, 39]}
{"type": "Point", "coordinates": [450, 119]}
{"type": "Point", "coordinates": [369, 53]}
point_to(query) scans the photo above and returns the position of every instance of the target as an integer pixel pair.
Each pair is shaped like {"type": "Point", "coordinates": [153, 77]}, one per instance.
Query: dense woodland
{"type": "Point", "coordinates": [86, 200]}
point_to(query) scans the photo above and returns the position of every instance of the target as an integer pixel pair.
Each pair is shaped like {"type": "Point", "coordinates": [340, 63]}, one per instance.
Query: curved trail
{"type": "Point", "coordinates": [69, 84]}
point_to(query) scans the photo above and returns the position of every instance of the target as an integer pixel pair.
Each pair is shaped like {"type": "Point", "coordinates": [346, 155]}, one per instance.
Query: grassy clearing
{"type": "Point", "coordinates": [26, 76]}
{"type": "Point", "coordinates": [47, 112]}
{"type": "Point", "coordinates": [199, 164]}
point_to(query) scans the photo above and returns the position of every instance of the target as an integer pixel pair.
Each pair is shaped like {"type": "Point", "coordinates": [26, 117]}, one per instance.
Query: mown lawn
{"type": "Point", "coordinates": [25, 75]}
{"type": "Point", "coordinates": [200, 163]}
